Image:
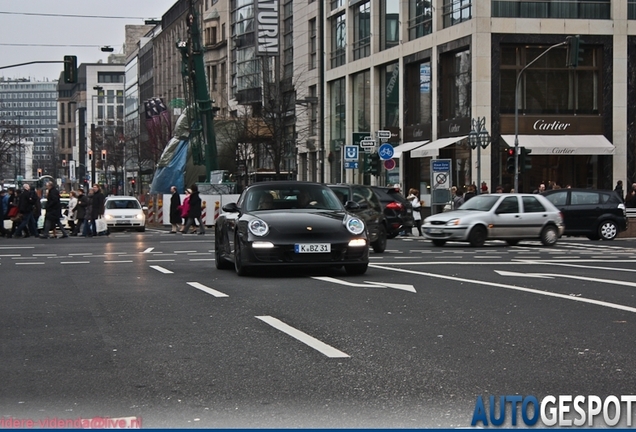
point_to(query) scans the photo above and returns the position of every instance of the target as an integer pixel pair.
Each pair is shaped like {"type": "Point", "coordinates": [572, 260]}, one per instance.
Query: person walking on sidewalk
{"type": "Point", "coordinates": [175, 213]}
{"type": "Point", "coordinates": [53, 212]}
{"type": "Point", "coordinates": [195, 211]}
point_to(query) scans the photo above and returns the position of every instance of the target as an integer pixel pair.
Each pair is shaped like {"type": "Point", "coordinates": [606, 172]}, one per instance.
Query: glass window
{"type": "Point", "coordinates": [456, 11]}
{"type": "Point", "coordinates": [597, 9]}
{"type": "Point", "coordinates": [390, 96]}
{"type": "Point", "coordinates": [390, 24]}
{"type": "Point", "coordinates": [338, 40]}
{"type": "Point", "coordinates": [362, 102]}
{"type": "Point", "coordinates": [584, 198]}
{"type": "Point", "coordinates": [509, 205]}
{"type": "Point", "coordinates": [420, 18]}
{"type": "Point", "coordinates": [549, 86]}
{"type": "Point", "coordinates": [558, 198]}
{"type": "Point", "coordinates": [362, 31]}
{"type": "Point", "coordinates": [532, 205]}
{"type": "Point", "coordinates": [456, 82]}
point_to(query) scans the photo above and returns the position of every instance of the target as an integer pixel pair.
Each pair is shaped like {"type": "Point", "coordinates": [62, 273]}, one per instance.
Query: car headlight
{"type": "Point", "coordinates": [140, 216]}
{"type": "Point", "coordinates": [108, 216]}
{"type": "Point", "coordinates": [453, 222]}
{"type": "Point", "coordinates": [354, 225]}
{"type": "Point", "coordinates": [258, 227]}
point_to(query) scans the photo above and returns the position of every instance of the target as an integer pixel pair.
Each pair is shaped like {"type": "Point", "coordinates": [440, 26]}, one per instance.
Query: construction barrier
{"type": "Point", "coordinates": [217, 210]}
{"type": "Point", "coordinates": [151, 211]}
{"type": "Point", "coordinates": [204, 213]}
{"type": "Point", "coordinates": [160, 210]}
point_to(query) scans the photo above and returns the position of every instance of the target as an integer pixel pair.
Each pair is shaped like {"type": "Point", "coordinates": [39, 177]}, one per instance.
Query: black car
{"type": "Point", "coordinates": [597, 214]}
{"type": "Point", "coordinates": [370, 211]}
{"type": "Point", "coordinates": [292, 224]}
{"type": "Point", "coordinates": [397, 210]}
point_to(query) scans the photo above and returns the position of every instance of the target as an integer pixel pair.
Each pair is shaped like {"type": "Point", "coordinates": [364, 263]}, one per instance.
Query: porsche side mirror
{"type": "Point", "coordinates": [231, 208]}
{"type": "Point", "coordinates": [352, 206]}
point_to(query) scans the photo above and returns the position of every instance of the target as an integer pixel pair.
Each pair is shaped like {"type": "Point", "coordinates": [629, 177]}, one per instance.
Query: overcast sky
{"type": "Point", "coordinates": [45, 38]}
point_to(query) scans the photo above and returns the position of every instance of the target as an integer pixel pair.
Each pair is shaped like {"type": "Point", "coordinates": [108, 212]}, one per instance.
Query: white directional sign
{"type": "Point", "coordinates": [367, 143]}
{"type": "Point", "coordinates": [383, 134]}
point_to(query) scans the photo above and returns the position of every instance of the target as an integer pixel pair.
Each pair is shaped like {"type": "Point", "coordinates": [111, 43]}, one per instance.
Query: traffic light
{"type": "Point", "coordinates": [90, 155]}
{"type": "Point", "coordinates": [132, 184]}
{"type": "Point", "coordinates": [39, 172]}
{"type": "Point", "coordinates": [510, 162]}
{"type": "Point", "coordinates": [63, 163]}
{"type": "Point", "coordinates": [525, 164]}
{"type": "Point", "coordinates": [375, 164]}
{"type": "Point", "coordinates": [574, 51]}
{"type": "Point", "coordinates": [103, 154]}
{"type": "Point", "coordinates": [70, 69]}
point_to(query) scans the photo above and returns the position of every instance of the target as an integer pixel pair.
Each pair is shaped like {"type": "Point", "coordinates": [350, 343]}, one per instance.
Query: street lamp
{"type": "Point", "coordinates": [478, 138]}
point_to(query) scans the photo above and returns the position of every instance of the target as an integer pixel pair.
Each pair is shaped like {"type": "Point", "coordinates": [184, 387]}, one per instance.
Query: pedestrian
{"type": "Point", "coordinates": [4, 210]}
{"type": "Point", "coordinates": [175, 214]}
{"type": "Point", "coordinates": [630, 198]}
{"type": "Point", "coordinates": [470, 193]}
{"type": "Point", "coordinates": [80, 208]}
{"type": "Point", "coordinates": [484, 188]}
{"type": "Point", "coordinates": [414, 197]}
{"type": "Point", "coordinates": [87, 230]}
{"type": "Point", "coordinates": [27, 203]}
{"type": "Point", "coordinates": [458, 200]}
{"type": "Point", "coordinates": [184, 209]}
{"type": "Point", "coordinates": [499, 189]}
{"type": "Point", "coordinates": [195, 211]}
{"type": "Point", "coordinates": [72, 211]}
{"type": "Point", "coordinates": [53, 212]}
{"type": "Point", "coordinates": [619, 190]}
{"type": "Point", "coordinates": [97, 207]}
{"type": "Point", "coordinates": [540, 190]}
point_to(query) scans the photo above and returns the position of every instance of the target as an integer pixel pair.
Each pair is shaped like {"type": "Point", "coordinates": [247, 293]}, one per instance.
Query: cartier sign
{"type": "Point", "coordinates": [550, 125]}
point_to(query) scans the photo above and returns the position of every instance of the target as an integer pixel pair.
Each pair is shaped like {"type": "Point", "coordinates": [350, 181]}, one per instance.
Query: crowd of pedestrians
{"type": "Point", "coordinates": [21, 208]}
{"type": "Point", "coordinates": [189, 210]}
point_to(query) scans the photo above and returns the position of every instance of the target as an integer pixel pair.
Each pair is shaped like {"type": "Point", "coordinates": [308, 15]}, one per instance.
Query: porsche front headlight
{"type": "Point", "coordinates": [258, 227]}
{"type": "Point", "coordinates": [354, 225]}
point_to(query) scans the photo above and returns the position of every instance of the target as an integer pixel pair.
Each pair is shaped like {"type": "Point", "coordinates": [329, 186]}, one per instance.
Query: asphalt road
{"type": "Point", "coordinates": [143, 325]}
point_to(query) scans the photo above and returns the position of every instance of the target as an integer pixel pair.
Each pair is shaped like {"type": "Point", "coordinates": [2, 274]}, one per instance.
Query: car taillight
{"type": "Point", "coordinates": [395, 206]}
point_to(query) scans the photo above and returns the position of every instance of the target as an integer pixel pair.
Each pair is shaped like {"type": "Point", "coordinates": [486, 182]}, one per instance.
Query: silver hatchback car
{"type": "Point", "coordinates": [509, 217]}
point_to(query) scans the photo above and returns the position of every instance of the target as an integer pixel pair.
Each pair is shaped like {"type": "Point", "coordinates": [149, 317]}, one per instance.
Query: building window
{"type": "Point", "coordinates": [313, 45]}
{"type": "Point", "coordinates": [390, 24]}
{"type": "Point", "coordinates": [390, 96]}
{"type": "Point", "coordinates": [596, 9]}
{"type": "Point", "coordinates": [456, 11]}
{"type": "Point", "coordinates": [335, 4]}
{"type": "Point", "coordinates": [420, 18]}
{"type": "Point", "coordinates": [110, 77]}
{"type": "Point", "coordinates": [456, 85]}
{"type": "Point", "coordinates": [338, 40]}
{"type": "Point", "coordinates": [214, 77]}
{"type": "Point", "coordinates": [338, 124]}
{"type": "Point", "coordinates": [548, 86]}
{"type": "Point", "coordinates": [313, 112]}
{"type": "Point", "coordinates": [362, 31]}
{"type": "Point", "coordinates": [362, 102]}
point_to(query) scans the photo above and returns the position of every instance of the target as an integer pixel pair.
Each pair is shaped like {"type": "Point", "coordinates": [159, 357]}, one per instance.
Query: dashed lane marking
{"type": "Point", "coordinates": [206, 289]}
{"type": "Point", "coordinates": [161, 269]}
{"type": "Point", "coordinates": [310, 341]}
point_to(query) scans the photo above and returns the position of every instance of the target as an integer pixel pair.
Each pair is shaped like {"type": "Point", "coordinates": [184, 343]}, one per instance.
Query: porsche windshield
{"type": "Point", "coordinates": [287, 198]}
{"type": "Point", "coordinates": [480, 203]}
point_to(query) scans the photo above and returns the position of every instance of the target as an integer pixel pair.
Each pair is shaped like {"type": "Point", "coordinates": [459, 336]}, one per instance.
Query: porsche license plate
{"type": "Point", "coordinates": [312, 247]}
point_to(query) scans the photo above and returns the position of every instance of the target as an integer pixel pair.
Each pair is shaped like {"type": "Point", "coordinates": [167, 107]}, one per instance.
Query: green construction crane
{"type": "Point", "coordinates": [200, 110]}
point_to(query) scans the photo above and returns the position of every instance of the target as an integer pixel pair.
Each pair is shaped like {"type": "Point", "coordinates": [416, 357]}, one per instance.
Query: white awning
{"type": "Point", "coordinates": [397, 151]}
{"type": "Point", "coordinates": [563, 144]}
{"type": "Point", "coordinates": [432, 149]}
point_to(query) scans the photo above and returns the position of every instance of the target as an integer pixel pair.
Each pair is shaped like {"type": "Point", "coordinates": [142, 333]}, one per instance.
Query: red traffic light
{"type": "Point", "coordinates": [511, 152]}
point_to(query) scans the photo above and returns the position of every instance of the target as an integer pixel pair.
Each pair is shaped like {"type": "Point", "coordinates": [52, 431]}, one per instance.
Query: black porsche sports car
{"type": "Point", "coordinates": [290, 223]}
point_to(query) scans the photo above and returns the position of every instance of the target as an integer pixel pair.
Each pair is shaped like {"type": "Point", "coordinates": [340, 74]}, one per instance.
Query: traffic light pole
{"type": "Point", "coordinates": [517, 110]}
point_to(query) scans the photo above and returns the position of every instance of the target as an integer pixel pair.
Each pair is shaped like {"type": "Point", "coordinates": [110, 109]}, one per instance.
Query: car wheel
{"type": "Point", "coordinates": [356, 269]}
{"type": "Point", "coordinates": [512, 242]}
{"type": "Point", "coordinates": [549, 235]}
{"type": "Point", "coordinates": [379, 245]}
{"type": "Point", "coordinates": [477, 236]}
{"type": "Point", "coordinates": [220, 262]}
{"type": "Point", "coordinates": [240, 268]}
{"type": "Point", "coordinates": [607, 230]}
{"type": "Point", "coordinates": [438, 242]}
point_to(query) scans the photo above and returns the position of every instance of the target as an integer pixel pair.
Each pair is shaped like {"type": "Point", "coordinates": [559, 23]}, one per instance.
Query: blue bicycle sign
{"type": "Point", "coordinates": [386, 151]}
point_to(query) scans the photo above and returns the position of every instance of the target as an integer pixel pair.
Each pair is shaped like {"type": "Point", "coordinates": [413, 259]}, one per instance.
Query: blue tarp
{"type": "Point", "coordinates": [173, 172]}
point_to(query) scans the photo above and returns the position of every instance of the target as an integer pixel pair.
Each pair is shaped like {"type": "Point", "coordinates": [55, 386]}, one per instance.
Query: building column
{"type": "Point", "coordinates": [619, 94]}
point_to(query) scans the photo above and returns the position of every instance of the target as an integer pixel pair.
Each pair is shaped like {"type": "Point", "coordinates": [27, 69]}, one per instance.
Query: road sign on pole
{"type": "Point", "coordinates": [351, 153]}
{"type": "Point", "coordinates": [386, 151]}
{"type": "Point", "coordinates": [383, 134]}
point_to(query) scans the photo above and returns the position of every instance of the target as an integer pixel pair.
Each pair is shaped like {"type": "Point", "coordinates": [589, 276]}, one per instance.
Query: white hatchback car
{"type": "Point", "coordinates": [124, 212]}
{"type": "Point", "coordinates": [509, 217]}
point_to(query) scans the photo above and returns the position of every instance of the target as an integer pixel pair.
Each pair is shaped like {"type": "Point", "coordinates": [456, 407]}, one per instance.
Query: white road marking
{"type": "Point", "coordinates": [208, 290]}
{"type": "Point", "coordinates": [583, 278]}
{"type": "Point", "coordinates": [75, 262]}
{"type": "Point", "coordinates": [17, 247]}
{"type": "Point", "coordinates": [161, 269]}
{"type": "Point", "coordinates": [28, 263]}
{"type": "Point", "coordinates": [44, 255]}
{"type": "Point", "coordinates": [115, 253]}
{"type": "Point", "coordinates": [150, 249]}
{"type": "Point", "coordinates": [202, 259]}
{"type": "Point", "coordinates": [81, 253]}
{"type": "Point", "coordinates": [589, 267]}
{"type": "Point", "coordinates": [186, 251]}
{"type": "Point", "coordinates": [7, 256]}
{"type": "Point", "coordinates": [512, 287]}
{"type": "Point", "coordinates": [367, 284]}
{"type": "Point", "coordinates": [530, 275]}
{"type": "Point", "coordinates": [311, 341]}
{"type": "Point", "coordinates": [160, 260]}
{"type": "Point", "coordinates": [117, 262]}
